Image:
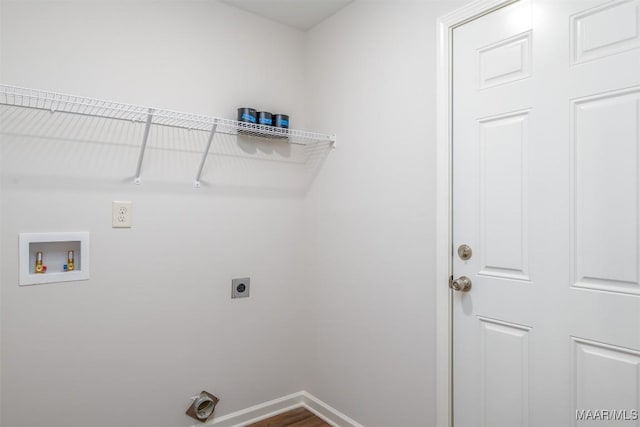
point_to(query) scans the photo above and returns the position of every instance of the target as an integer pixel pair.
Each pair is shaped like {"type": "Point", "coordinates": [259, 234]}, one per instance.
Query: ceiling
{"type": "Point", "coordinates": [301, 14]}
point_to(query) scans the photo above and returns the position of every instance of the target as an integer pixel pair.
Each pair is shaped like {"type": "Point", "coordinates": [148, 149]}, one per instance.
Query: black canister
{"type": "Point", "coordinates": [247, 115]}
{"type": "Point", "coordinates": [281, 121]}
{"type": "Point", "coordinates": [265, 118]}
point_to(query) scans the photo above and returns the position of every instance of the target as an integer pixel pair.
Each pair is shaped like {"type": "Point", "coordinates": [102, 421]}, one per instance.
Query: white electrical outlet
{"type": "Point", "coordinates": [121, 214]}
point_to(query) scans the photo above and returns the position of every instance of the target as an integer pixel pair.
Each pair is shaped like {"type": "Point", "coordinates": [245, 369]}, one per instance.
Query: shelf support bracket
{"type": "Point", "coordinates": [143, 147]}
{"type": "Point", "coordinates": [206, 153]}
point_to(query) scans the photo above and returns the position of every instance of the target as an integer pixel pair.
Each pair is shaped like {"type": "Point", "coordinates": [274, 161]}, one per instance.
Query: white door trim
{"type": "Point", "coordinates": [444, 350]}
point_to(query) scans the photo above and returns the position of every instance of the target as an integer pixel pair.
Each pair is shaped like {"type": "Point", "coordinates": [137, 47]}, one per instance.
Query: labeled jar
{"type": "Point", "coordinates": [265, 118]}
{"type": "Point", "coordinates": [281, 121]}
{"type": "Point", "coordinates": [247, 115]}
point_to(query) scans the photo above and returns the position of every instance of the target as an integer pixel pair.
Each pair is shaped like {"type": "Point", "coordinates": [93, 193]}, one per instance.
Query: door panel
{"type": "Point", "coordinates": [606, 191]}
{"type": "Point", "coordinates": [506, 61]}
{"type": "Point", "coordinates": [504, 386]}
{"type": "Point", "coordinates": [546, 130]}
{"type": "Point", "coordinates": [605, 377]}
{"type": "Point", "coordinates": [605, 30]}
{"type": "Point", "coordinates": [503, 196]}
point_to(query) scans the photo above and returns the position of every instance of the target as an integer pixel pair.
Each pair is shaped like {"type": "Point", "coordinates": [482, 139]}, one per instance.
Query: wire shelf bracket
{"type": "Point", "coordinates": [205, 154]}
{"type": "Point", "coordinates": [143, 146]}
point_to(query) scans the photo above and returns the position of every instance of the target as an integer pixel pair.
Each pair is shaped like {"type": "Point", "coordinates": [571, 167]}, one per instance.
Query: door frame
{"type": "Point", "coordinates": [444, 199]}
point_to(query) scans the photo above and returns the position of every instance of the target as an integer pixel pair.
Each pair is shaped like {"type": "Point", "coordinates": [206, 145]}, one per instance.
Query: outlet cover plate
{"type": "Point", "coordinates": [121, 213]}
{"type": "Point", "coordinates": [240, 287]}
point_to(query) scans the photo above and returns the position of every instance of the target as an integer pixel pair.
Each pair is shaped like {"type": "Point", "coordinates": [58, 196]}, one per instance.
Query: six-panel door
{"type": "Point", "coordinates": [546, 135]}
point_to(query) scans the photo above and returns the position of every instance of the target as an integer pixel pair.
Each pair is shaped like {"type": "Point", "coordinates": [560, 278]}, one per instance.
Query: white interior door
{"type": "Point", "coordinates": [546, 193]}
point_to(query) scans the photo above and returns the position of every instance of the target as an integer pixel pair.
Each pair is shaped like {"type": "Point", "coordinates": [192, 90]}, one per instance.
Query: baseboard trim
{"type": "Point", "coordinates": [274, 407]}
{"type": "Point", "coordinates": [258, 412]}
{"type": "Point", "coordinates": [329, 414]}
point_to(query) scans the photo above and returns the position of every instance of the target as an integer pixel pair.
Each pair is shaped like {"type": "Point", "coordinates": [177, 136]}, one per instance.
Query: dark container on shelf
{"type": "Point", "coordinates": [281, 121]}
{"type": "Point", "coordinates": [265, 118]}
{"type": "Point", "coordinates": [247, 115]}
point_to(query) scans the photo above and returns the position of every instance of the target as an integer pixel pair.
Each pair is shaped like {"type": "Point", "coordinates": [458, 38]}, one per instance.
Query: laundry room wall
{"type": "Point", "coordinates": [155, 323]}
{"type": "Point", "coordinates": [339, 245]}
{"type": "Point", "coordinates": [371, 73]}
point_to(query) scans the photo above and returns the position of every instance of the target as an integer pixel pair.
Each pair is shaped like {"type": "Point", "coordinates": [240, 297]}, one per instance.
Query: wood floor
{"type": "Point", "coordinates": [298, 417]}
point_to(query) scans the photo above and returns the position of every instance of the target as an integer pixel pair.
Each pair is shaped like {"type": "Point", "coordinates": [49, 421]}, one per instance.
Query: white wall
{"type": "Point", "coordinates": [155, 323]}
{"type": "Point", "coordinates": [342, 267]}
{"type": "Point", "coordinates": [371, 212]}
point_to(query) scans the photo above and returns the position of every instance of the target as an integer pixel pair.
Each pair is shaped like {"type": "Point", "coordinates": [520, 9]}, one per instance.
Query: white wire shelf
{"type": "Point", "coordinates": [78, 105]}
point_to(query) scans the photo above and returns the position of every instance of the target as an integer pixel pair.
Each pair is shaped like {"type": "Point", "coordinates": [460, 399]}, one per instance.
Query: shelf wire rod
{"type": "Point", "coordinates": [205, 154]}
{"type": "Point", "coordinates": [143, 146]}
{"type": "Point", "coordinates": [71, 105]}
